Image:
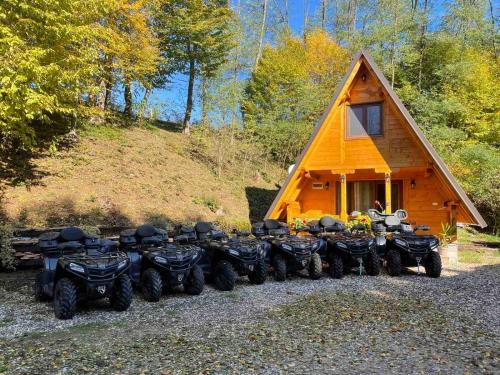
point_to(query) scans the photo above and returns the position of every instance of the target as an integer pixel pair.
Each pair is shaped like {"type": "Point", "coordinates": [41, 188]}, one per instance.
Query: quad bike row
{"type": "Point", "coordinates": [80, 267]}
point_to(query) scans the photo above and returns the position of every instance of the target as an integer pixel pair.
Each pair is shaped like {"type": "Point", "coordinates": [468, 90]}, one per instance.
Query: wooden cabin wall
{"type": "Point", "coordinates": [396, 148]}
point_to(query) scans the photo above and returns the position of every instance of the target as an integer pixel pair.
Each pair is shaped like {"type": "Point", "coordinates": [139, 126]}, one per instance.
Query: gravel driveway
{"type": "Point", "coordinates": [410, 324]}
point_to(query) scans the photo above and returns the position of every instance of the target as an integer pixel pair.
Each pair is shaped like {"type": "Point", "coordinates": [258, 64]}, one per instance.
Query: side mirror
{"type": "Point", "coordinates": [423, 227]}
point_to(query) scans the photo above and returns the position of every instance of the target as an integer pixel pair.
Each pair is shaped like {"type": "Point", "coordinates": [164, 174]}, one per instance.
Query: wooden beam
{"type": "Point", "coordinates": [343, 197]}
{"type": "Point", "coordinates": [388, 194]}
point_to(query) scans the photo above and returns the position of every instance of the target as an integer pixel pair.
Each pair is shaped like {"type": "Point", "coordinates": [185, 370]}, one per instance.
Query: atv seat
{"type": "Point", "coordinates": [275, 228]}
{"type": "Point", "coordinates": [329, 225]}
{"type": "Point", "coordinates": [69, 239]}
{"type": "Point", "coordinates": [150, 235]}
{"type": "Point", "coordinates": [185, 234]}
{"type": "Point", "coordinates": [205, 230]}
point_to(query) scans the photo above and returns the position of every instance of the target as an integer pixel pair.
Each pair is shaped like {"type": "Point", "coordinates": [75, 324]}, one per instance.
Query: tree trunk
{"type": "Point", "coordinates": [144, 103]}
{"type": "Point", "coordinates": [107, 94]}
{"type": "Point", "coordinates": [189, 102]}
{"type": "Point", "coordinates": [352, 8]}
{"type": "Point", "coordinates": [287, 16]}
{"type": "Point", "coordinates": [108, 78]}
{"type": "Point", "coordinates": [261, 34]}
{"type": "Point", "coordinates": [236, 69]}
{"type": "Point", "coordinates": [493, 39]}
{"type": "Point", "coordinates": [127, 96]}
{"type": "Point", "coordinates": [306, 18]}
{"type": "Point", "coordinates": [323, 15]}
{"type": "Point", "coordinates": [204, 101]}
{"type": "Point", "coordinates": [422, 44]}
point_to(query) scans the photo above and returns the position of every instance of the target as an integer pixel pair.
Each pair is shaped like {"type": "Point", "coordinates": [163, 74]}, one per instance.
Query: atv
{"type": "Point", "coordinates": [290, 253]}
{"type": "Point", "coordinates": [158, 265]}
{"type": "Point", "coordinates": [346, 249]}
{"type": "Point", "coordinates": [226, 257]}
{"type": "Point", "coordinates": [402, 247]}
{"type": "Point", "coordinates": [80, 267]}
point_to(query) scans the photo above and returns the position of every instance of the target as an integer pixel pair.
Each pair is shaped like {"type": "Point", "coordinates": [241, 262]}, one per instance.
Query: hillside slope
{"type": "Point", "coordinates": [126, 176]}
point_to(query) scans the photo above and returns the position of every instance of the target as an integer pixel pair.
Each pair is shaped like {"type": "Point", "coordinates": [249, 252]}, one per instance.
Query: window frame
{"type": "Point", "coordinates": [364, 122]}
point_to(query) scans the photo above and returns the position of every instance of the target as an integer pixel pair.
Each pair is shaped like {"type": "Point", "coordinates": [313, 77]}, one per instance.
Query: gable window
{"type": "Point", "coordinates": [364, 120]}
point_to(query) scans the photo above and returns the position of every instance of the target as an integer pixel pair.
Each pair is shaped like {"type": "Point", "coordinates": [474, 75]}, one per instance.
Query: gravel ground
{"type": "Point", "coordinates": [410, 324]}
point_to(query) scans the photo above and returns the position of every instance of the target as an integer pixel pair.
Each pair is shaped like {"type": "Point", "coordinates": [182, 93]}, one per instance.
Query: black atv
{"type": "Point", "coordinates": [80, 267]}
{"type": "Point", "coordinates": [402, 247]}
{"type": "Point", "coordinates": [290, 253]}
{"type": "Point", "coordinates": [226, 257]}
{"type": "Point", "coordinates": [158, 265]}
{"type": "Point", "coordinates": [346, 249]}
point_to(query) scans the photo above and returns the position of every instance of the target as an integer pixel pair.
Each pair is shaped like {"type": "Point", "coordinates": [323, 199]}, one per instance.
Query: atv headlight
{"type": "Point", "coordinates": [434, 244]}
{"type": "Point", "coordinates": [370, 243]}
{"type": "Point", "coordinates": [122, 264]}
{"type": "Point", "coordinates": [234, 252]}
{"type": "Point", "coordinates": [315, 245]}
{"type": "Point", "coordinates": [161, 260]}
{"type": "Point", "coordinates": [287, 247]}
{"type": "Point", "coordinates": [342, 245]}
{"type": "Point", "coordinates": [76, 267]}
{"type": "Point", "coordinates": [400, 242]}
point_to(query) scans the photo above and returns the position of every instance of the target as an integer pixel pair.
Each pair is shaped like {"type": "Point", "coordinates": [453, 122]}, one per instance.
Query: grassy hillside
{"type": "Point", "coordinates": [126, 176]}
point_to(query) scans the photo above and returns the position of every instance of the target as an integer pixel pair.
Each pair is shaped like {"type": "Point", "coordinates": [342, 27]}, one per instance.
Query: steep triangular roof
{"type": "Point", "coordinates": [439, 163]}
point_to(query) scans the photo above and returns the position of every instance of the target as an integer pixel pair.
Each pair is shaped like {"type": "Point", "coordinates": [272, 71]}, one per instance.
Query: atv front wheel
{"type": "Point", "coordinates": [259, 273]}
{"type": "Point", "coordinates": [40, 296]}
{"type": "Point", "coordinates": [433, 264]}
{"type": "Point", "coordinates": [336, 267]}
{"type": "Point", "coordinates": [394, 266]}
{"type": "Point", "coordinates": [152, 285]}
{"type": "Point", "coordinates": [195, 281]}
{"type": "Point", "coordinates": [121, 295]}
{"type": "Point", "coordinates": [279, 265]}
{"type": "Point", "coordinates": [225, 277]}
{"type": "Point", "coordinates": [372, 263]}
{"type": "Point", "coordinates": [65, 298]}
{"type": "Point", "coordinates": [315, 266]}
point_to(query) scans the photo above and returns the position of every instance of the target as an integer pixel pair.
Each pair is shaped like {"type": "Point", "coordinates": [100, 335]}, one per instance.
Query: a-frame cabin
{"type": "Point", "coordinates": [368, 148]}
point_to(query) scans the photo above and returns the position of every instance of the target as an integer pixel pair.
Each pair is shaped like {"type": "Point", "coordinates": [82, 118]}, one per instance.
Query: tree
{"type": "Point", "coordinates": [129, 49]}
{"type": "Point", "coordinates": [48, 54]}
{"type": "Point", "coordinates": [289, 90]}
{"type": "Point", "coordinates": [195, 39]}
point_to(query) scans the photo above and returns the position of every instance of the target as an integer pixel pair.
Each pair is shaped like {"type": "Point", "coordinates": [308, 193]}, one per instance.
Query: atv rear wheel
{"type": "Point", "coordinates": [433, 264]}
{"type": "Point", "coordinates": [195, 281]}
{"type": "Point", "coordinates": [394, 266]}
{"type": "Point", "coordinates": [152, 285]}
{"type": "Point", "coordinates": [40, 296]}
{"type": "Point", "coordinates": [372, 263]}
{"type": "Point", "coordinates": [225, 277]}
{"type": "Point", "coordinates": [315, 267]}
{"type": "Point", "coordinates": [121, 294]}
{"type": "Point", "coordinates": [279, 265]}
{"type": "Point", "coordinates": [259, 273]}
{"type": "Point", "coordinates": [65, 298]}
{"type": "Point", "coordinates": [336, 267]}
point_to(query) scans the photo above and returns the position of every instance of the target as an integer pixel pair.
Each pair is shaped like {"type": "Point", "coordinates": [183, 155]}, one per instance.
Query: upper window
{"type": "Point", "coordinates": [365, 120]}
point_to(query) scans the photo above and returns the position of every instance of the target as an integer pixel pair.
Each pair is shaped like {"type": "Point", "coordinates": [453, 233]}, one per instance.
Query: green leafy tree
{"type": "Point", "coordinates": [47, 62]}
{"type": "Point", "coordinates": [289, 90]}
{"type": "Point", "coordinates": [195, 39]}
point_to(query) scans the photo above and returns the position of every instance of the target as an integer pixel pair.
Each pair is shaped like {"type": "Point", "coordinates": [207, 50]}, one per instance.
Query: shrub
{"type": "Point", "coordinates": [7, 257]}
{"type": "Point", "coordinates": [210, 202]}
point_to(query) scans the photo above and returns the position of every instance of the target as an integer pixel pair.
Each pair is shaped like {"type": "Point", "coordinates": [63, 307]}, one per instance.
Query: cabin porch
{"type": "Point", "coordinates": [338, 193]}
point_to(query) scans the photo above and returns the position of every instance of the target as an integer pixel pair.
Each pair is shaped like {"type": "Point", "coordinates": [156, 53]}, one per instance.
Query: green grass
{"type": "Point", "coordinates": [479, 256]}
{"type": "Point", "coordinates": [110, 133]}
{"type": "Point", "coordinates": [468, 235]}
